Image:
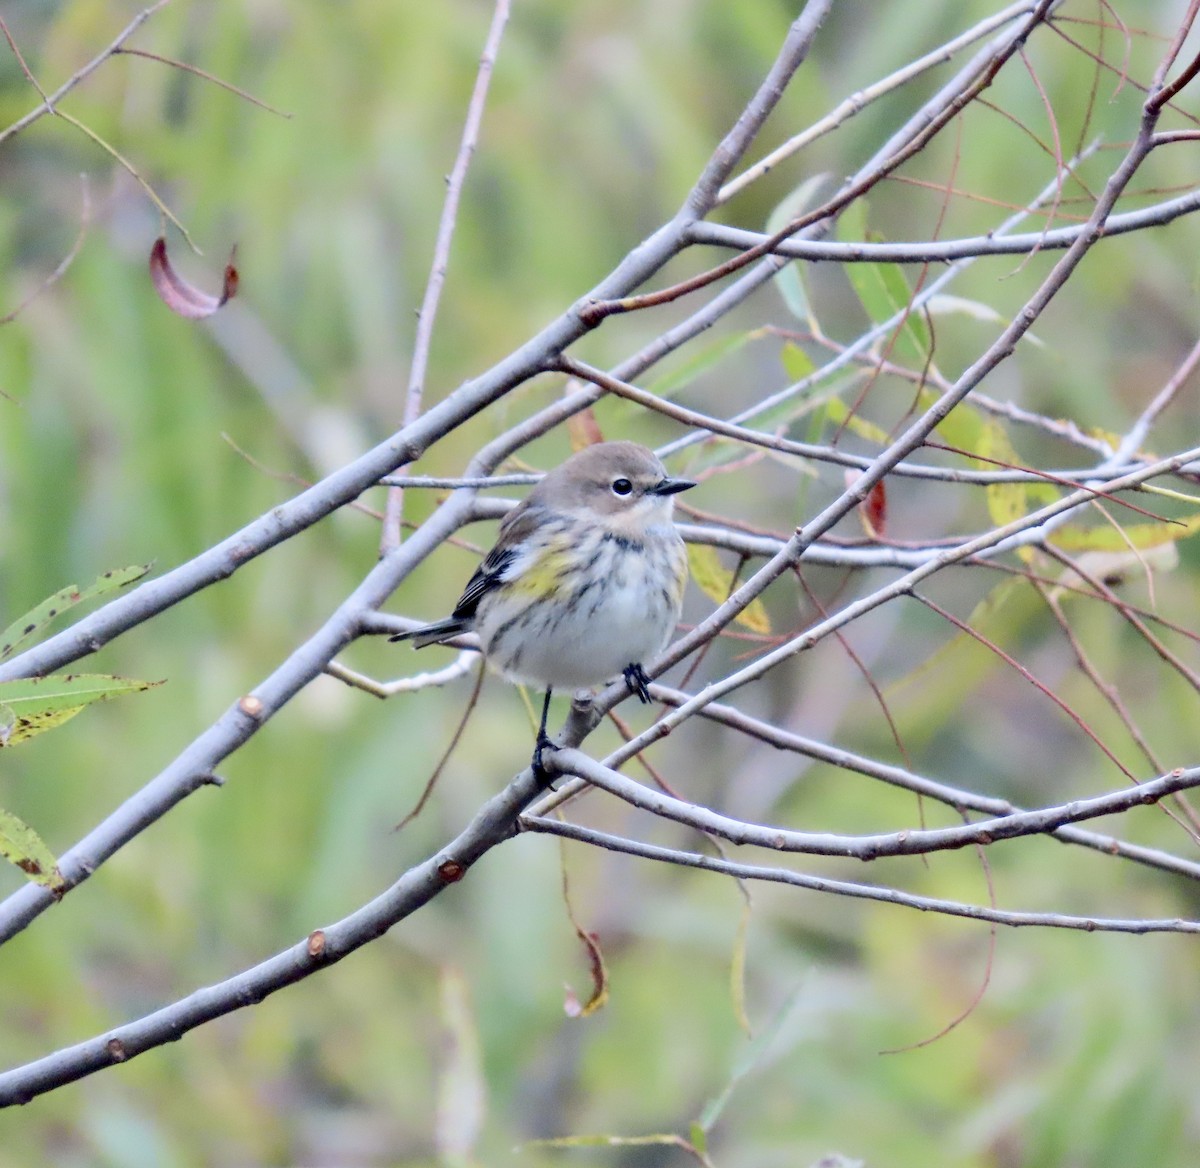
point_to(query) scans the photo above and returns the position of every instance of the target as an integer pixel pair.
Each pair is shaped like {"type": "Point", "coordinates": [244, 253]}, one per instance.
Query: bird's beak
{"type": "Point", "coordinates": [672, 486]}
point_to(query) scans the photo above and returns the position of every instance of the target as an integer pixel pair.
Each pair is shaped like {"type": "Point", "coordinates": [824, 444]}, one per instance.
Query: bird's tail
{"type": "Point", "coordinates": [435, 633]}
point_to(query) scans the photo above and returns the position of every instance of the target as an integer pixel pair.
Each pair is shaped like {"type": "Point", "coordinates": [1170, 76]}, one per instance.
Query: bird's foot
{"type": "Point", "coordinates": [544, 780]}
{"type": "Point", "coordinates": [636, 679]}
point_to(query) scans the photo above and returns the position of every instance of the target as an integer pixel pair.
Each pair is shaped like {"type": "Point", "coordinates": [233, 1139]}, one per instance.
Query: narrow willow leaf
{"type": "Point", "coordinates": [37, 618]}
{"type": "Point", "coordinates": [21, 845]}
{"type": "Point", "coordinates": [1006, 502]}
{"type": "Point", "coordinates": [839, 414]}
{"type": "Point", "coordinates": [1115, 568]}
{"type": "Point", "coordinates": [572, 1006]}
{"type": "Point", "coordinates": [602, 1141]}
{"type": "Point", "coordinates": [737, 971]}
{"type": "Point", "coordinates": [945, 304]}
{"type": "Point", "coordinates": [797, 364]}
{"type": "Point", "coordinates": [790, 281]}
{"type": "Point", "coordinates": [753, 1055]}
{"type": "Point", "coordinates": [883, 291]}
{"type": "Point", "coordinates": [30, 706]}
{"type": "Point", "coordinates": [1105, 538]}
{"type": "Point", "coordinates": [716, 582]}
{"type": "Point", "coordinates": [962, 663]}
{"type": "Point", "coordinates": [701, 362]}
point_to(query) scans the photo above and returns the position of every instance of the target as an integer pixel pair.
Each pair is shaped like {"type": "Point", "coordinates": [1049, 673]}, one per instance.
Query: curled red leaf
{"type": "Point", "coordinates": [873, 512]}
{"type": "Point", "coordinates": [178, 295]}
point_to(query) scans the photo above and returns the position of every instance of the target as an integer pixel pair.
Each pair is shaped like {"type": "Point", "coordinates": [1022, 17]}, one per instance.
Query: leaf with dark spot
{"type": "Point", "coordinates": [53, 606]}
{"type": "Point", "coordinates": [22, 846]}
{"type": "Point", "coordinates": [31, 706]}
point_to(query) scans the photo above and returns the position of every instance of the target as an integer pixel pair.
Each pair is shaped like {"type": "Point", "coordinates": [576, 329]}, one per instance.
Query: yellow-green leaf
{"type": "Point", "coordinates": [16, 728]}
{"type": "Point", "coordinates": [956, 669]}
{"type": "Point", "coordinates": [1006, 502]}
{"type": "Point", "coordinates": [1106, 538]}
{"type": "Point", "coordinates": [716, 582]}
{"type": "Point", "coordinates": [32, 705]}
{"type": "Point", "coordinates": [797, 364]}
{"type": "Point", "coordinates": [22, 846]}
{"type": "Point", "coordinates": [961, 427]}
{"type": "Point", "coordinates": [839, 414]}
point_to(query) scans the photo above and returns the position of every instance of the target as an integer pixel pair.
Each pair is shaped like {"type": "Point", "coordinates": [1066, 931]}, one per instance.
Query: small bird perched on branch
{"type": "Point", "coordinates": [585, 582]}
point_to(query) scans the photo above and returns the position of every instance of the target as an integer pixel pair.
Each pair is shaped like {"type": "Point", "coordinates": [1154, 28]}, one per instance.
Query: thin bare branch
{"type": "Point", "coordinates": [390, 535]}
{"type": "Point", "coordinates": [906, 842]}
{"type": "Point", "coordinates": [857, 891]}
{"type": "Point", "coordinates": [85, 219]}
{"type": "Point", "coordinates": [857, 102]}
{"type": "Point", "coordinates": [49, 103]}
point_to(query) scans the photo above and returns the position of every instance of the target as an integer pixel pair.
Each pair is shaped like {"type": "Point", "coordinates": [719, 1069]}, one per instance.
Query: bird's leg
{"type": "Point", "coordinates": [543, 740]}
{"type": "Point", "coordinates": [636, 679]}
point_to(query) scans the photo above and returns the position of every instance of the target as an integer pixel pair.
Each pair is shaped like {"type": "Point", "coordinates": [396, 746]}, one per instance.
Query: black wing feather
{"type": "Point", "coordinates": [487, 576]}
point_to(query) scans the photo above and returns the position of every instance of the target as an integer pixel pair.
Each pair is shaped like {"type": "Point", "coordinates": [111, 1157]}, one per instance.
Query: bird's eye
{"type": "Point", "coordinates": [622, 487]}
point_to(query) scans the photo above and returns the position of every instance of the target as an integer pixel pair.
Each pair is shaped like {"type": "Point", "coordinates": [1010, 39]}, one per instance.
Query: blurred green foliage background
{"type": "Point", "coordinates": [120, 431]}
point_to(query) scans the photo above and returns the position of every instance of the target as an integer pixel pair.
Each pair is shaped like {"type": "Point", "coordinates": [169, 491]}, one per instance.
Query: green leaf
{"type": "Point", "coordinates": [22, 846]}
{"type": "Point", "coordinates": [37, 618]}
{"type": "Point", "coordinates": [716, 582]}
{"type": "Point", "coordinates": [774, 419]}
{"type": "Point", "coordinates": [797, 364]}
{"type": "Point", "coordinates": [704, 359]}
{"type": "Point", "coordinates": [883, 291]}
{"type": "Point", "coordinates": [789, 281]}
{"type": "Point", "coordinates": [962, 428]}
{"type": "Point", "coordinates": [33, 705]}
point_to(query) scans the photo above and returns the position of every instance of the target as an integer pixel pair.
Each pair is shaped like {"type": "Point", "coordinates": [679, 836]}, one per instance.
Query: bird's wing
{"type": "Point", "coordinates": [491, 572]}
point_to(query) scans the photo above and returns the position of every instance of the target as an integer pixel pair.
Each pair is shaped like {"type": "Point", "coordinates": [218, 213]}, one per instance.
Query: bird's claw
{"type": "Point", "coordinates": [638, 681]}
{"type": "Point", "coordinates": [544, 780]}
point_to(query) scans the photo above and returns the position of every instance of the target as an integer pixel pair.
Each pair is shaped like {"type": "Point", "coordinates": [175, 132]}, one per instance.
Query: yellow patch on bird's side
{"type": "Point", "coordinates": [544, 578]}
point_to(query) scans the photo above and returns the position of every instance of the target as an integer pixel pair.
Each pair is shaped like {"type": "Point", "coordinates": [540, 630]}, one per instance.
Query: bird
{"type": "Point", "coordinates": [585, 582]}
